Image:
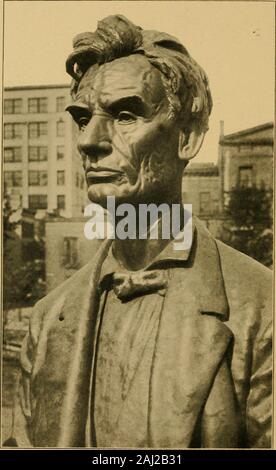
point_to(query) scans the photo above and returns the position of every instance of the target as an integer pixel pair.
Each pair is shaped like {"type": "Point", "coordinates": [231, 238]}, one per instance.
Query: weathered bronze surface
{"type": "Point", "coordinates": [181, 363]}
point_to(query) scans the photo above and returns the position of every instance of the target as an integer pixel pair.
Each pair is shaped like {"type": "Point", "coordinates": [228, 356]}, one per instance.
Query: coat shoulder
{"type": "Point", "coordinates": [248, 284]}
{"type": "Point", "coordinates": [242, 269]}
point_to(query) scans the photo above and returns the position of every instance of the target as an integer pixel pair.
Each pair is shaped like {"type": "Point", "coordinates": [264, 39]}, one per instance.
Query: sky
{"type": "Point", "coordinates": [233, 41]}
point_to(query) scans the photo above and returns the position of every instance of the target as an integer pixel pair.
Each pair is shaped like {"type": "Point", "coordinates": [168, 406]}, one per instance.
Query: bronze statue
{"type": "Point", "coordinates": [146, 346]}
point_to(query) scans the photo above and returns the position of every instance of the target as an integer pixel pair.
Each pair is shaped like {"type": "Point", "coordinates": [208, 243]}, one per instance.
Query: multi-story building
{"type": "Point", "coordinates": [42, 169]}
{"type": "Point", "coordinates": [200, 188]}
{"type": "Point", "coordinates": [245, 159]}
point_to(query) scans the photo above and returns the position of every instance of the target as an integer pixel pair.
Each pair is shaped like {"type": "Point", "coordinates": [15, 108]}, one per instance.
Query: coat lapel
{"type": "Point", "coordinates": [75, 404]}
{"type": "Point", "coordinates": [192, 342]}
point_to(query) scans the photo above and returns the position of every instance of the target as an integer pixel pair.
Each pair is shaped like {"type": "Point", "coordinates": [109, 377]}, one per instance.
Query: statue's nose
{"type": "Point", "coordinates": [95, 139]}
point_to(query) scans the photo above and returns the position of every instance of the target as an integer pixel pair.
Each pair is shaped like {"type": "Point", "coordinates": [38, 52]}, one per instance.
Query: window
{"type": "Point", "coordinates": [79, 181]}
{"type": "Point", "coordinates": [38, 201]}
{"type": "Point", "coordinates": [60, 129]}
{"type": "Point", "coordinates": [60, 152]}
{"type": "Point", "coordinates": [37, 129]}
{"type": "Point", "coordinates": [70, 252]}
{"type": "Point", "coordinates": [13, 106]}
{"type": "Point", "coordinates": [37, 105]}
{"type": "Point", "coordinates": [12, 154]}
{"type": "Point", "coordinates": [61, 178]}
{"type": "Point", "coordinates": [13, 179]}
{"type": "Point", "coordinates": [38, 154]}
{"type": "Point", "coordinates": [60, 104]}
{"type": "Point", "coordinates": [245, 176]}
{"type": "Point", "coordinates": [38, 178]}
{"type": "Point", "coordinates": [13, 130]}
{"type": "Point", "coordinates": [204, 202]}
{"type": "Point", "coordinates": [61, 202]}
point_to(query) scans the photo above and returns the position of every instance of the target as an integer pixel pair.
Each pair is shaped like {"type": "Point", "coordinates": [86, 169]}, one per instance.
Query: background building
{"type": "Point", "coordinates": [67, 249]}
{"type": "Point", "coordinates": [245, 159]}
{"type": "Point", "coordinates": [200, 187]}
{"type": "Point", "coordinates": [42, 169]}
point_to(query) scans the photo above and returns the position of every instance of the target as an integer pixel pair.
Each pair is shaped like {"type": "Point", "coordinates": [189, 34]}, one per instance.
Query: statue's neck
{"type": "Point", "coordinates": [135, 254]}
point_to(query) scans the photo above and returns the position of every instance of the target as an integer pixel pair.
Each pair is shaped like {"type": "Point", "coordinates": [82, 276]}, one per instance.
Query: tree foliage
{"type": "Point", "coordinates": [9, 225]}
{"type": "Point", "coordinates": [23, 276]}
{"type": "Point", "coordinates": [250, 222]}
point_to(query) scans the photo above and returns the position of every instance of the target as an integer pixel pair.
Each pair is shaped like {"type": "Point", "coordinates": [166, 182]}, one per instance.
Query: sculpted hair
{"type": "Point", "coordinates": [185, 82]}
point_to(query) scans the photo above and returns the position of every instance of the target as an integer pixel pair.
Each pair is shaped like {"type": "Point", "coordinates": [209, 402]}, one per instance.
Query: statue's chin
{"type": "Point", "coordinates": [98, 193]}
{"type": "Point", "coordinates": [123, 194]}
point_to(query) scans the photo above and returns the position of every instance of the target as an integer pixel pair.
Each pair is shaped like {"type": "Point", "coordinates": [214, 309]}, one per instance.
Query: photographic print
{"type": "Point", "coordinates": [137, 215]}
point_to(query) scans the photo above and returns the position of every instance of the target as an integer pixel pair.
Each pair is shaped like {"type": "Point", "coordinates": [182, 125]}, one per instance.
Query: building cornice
{"type": "Point", "coordinates": [35, 87]}
{"type": "Point", "coordinates": [245, 132]}
{"type": "Point", "coordinates": [231, 143]}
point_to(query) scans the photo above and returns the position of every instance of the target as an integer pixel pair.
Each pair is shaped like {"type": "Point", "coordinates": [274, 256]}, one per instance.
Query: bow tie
{"type": "Point", "coordinates": [127, 285]}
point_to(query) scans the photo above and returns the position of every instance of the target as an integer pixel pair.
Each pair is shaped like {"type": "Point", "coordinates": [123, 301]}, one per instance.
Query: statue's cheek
{"type": "Point", "coordinates": [144, 141]}
{"type": "Point", "coordinates": [126, 142]}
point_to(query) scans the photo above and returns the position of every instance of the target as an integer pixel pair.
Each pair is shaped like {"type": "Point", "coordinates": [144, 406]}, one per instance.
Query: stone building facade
{"type": "Point", "coordinates": [200, 187]}
{"type": "Point", "coordinates": [42, 168]}
{"type": "Point", "coordinates": [246, 159]}
{"type": "Point", "coordinates": [67, 249]}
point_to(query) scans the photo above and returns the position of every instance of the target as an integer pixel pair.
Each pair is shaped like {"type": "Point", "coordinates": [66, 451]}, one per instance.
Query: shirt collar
{"type": "Point", "coordinates": [167, 255]}
{"type": "Point", "coordinates": [203, 280]}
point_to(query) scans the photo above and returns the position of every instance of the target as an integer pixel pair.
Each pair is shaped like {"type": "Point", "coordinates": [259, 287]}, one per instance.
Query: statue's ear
{"type": "Point", "coordinates": [191, 139]}
{"type": "Point", "coordinates": [190, 144]}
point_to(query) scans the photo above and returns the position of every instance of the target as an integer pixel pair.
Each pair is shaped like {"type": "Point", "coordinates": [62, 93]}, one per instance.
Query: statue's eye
{"type": "Point", "coordinates": [125, 117]}
{"type": "Point", "coordinates": [82, 122]}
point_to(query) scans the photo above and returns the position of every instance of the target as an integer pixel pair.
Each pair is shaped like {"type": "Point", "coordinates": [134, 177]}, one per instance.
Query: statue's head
{"type": "Point", "coordinates": [142, 106]}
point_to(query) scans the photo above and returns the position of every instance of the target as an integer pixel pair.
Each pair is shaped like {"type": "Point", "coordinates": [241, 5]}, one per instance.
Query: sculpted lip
{"type": "Point", "coordinates": [101, 169]}
{"type": "Point", "coordinates": [101, 175]}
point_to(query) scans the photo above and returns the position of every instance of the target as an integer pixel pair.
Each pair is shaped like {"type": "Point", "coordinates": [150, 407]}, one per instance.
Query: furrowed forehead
{"type": "Point", "coordinates": [128, 76]}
